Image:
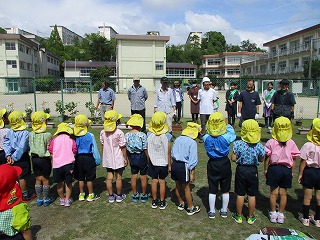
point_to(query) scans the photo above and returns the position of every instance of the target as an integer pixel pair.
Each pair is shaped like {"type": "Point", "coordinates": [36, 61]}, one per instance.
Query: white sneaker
{"type": "Point", "coordinates": [280, 218]}
{"type": "Point", "coordinates": [315, 222]}
{"type": "Point", "coordinates": [273, 217]}
{"type": "Point", "coordinates": [304, 221]}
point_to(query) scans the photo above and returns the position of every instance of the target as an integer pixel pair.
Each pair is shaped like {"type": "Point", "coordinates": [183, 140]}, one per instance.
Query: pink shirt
{"type": "Point", "coordinates": [311, 153]}
{"type": "Point", "coordinates": [62, 148]}
{"type": "Point", "coordinates": [112, 143]}
{"type": "Point", "coordinates": [281, 154]}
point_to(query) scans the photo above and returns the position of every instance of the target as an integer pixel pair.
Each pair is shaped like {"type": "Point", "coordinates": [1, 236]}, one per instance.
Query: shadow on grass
{"type": "Point", "coordinates": [35, 229]}
{"type": "Point", "coordinates": [173, 196]}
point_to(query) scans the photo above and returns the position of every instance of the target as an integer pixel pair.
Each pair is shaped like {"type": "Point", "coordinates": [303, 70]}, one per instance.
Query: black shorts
{"type": "Point", "coordinates": [63, 174]}
{"type": "Point", "coordinates": [246, 180]}
{"type": "Point", "coordinates": [85, 167]}
{"type": "Point", "coordinates": [157, 172]}
{"type": "Point", "coordinates": [180, 171]}
{"type": "Point", "coordinates": [119, 170]}
{"type": "Point", "coordinates": [219, 173]}
{"type": "Point", "coordinates": [311, 178]}
{"type": "Point", "coordinates": [41, 166]}
{"type": "Point", "coordinates": [3, 159]}
{"type": "Point", "coordinates": [25, 165]}
{"type": "Point", "coordinates": [138, 163]}
{"type": "Point", "coordinates": [279, 176]}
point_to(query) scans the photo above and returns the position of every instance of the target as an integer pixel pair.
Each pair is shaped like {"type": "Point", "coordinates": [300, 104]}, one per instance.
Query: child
{"type": "Point", "coordinates": [62, 149]}
{"type": "Point", "coordinates": [15, 222]}
{"type": "Point", "coordinates": [217, 144]}
{"type": "Point", "coordinates": [309, 174]}
{"type": "Point", "coordinates": [247, 153]}
{"type": "Point", "coordinates": [114, 157]}
{"type": "Point", "coordinates": [159, 150]}
{"type": "Point", "coordinates": [279, 165]}
{"type": "Point", "coordinates": [39, 141]}
{"type": "Point", "coordinates": [87, 158]}
{"type": "Point", "coordinates": [3, 132]}
{"type": "Point", "coordinates": [184, 161]}
{"type": "Point", "coordinates": [16, 147]}
{"type": "Point", "coordinates": [138, 157]}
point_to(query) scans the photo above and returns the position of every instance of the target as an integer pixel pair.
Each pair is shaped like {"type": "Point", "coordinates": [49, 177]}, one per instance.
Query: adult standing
{"type": "Point", "coordinates": [206, 96]}
{"type": "Point", "coordinates": [194, 102]}
{"type": "Point", "coordinates": [178, 97]}
{"type": "Point", "coordinates": [283, 101]}
{"type": "Point", "coordinates": [248, 103]}
{"type": "Point", "coordinates": [164, 102]}
{"type": "Point", "coordinates": [138, 96]}
{"type": "Point", "coordinates": [106, 99]}
{"type": "Point", "coordinates": [267, 97]}
{"type": "Point", "coordinates": [232, 96]}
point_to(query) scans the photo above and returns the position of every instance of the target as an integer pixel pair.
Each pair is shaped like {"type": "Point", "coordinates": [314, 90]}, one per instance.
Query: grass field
{"type": "Point", "coordinates": [127, 220]}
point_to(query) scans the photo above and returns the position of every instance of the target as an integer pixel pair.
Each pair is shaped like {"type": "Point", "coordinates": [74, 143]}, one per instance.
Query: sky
{"type": "Point", "coordinates": [259, 21]}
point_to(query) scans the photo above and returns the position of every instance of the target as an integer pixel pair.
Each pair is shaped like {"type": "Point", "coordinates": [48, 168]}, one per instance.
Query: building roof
{"type": "Point", "coordinates": [108, 27]}
{"type": "Point", "coordinates": [96, 64]}
{"type": "Point", "coordinates": [18, 37]}
{"type": "Point", "coordinates": [292, 35]}
{"type": "Point", "coordinates": [233, 53]}
{"type": "Point", "coordinates": [181, 65]}
{"type": "Point", "coordinates": [142, 37]}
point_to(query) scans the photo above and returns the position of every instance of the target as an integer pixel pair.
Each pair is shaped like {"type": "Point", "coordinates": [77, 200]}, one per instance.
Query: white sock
{"type": "Point", "coordinates": [212, 202]}
{"type": "Point", "coordinates": [225, 202]}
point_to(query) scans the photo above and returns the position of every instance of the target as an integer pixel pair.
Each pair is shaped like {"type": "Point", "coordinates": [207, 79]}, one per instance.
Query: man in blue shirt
{"type": "Point", "coordinates": [106, 99]}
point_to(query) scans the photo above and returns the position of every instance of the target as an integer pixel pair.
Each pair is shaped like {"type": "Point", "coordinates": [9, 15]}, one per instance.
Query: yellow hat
{"type": "Point", "coordinates": [314, 134]}
{"type": "Point", "coordinates": [250, 131]}
{"type": "Point", "coordinates": [135, 120]}
{"type": "Point", "coordinates": [16, 120]}
{"type": "Point", "coordinates": [64, 127]}
{"type": "Point", "coordinates": [2, 113]}
{"type": "Point", "coordinates": [192, 130]}
{"type": "Point", "coordinates": [38, 119]}
{"type": "Point", "coordinates": [282, 129]}
{"type": "Point", "coordinates": [110, 120]}
{"type": "Point", "coordinates": [158, 123]}
{"type": "Point", "coordinates": [216, 125]}
{"type": "Point", "coordinates": [81, 125]}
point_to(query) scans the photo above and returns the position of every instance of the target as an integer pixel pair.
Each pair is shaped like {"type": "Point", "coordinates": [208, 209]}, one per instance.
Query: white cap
{"type": "Point", "coordinates": [206, 79]}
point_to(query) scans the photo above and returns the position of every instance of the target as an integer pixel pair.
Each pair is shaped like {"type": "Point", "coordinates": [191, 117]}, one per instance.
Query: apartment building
{"type": "Point", "coordinates": [67, 36]}
{"type": "Point", "coordinates": [287, 55]}
{"type": "Point", "coordinates": [107, 32]}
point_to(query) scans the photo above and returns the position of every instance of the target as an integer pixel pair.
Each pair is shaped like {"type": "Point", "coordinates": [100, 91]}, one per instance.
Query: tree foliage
{"type": "Point", "coordinates": [213, 43]}
{"type": "Point", "coordinates": [99, 75]}
{"type": "Point", "coordinates": [248, 46]}
{"type": "Point", "coordinates": [315, 69]}
{"type": "Point", "coordinates": [2, 30]}
{"type": "Point", "coordinates": [54, 43]}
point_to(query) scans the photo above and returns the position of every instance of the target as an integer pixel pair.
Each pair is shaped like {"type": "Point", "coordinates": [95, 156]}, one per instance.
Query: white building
{"type": "Point", "coordinates": [67, 36]}
{"type": "Point", "coordinates": [107, 31]}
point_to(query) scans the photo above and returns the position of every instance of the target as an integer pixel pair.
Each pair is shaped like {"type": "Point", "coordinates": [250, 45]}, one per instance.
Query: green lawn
{"type": "Point", "coordinates": [127, 220]}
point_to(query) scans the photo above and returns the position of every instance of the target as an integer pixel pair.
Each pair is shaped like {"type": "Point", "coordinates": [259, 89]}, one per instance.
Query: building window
{"type": "Point", "coordinates": [29, 66]}
{"type": "Point", "coordinates": [282, 66]}
{"type": "Point", "coordinates": [273, 67]}
{"type": "Point", "coordinates": [283, 49]}
{"type": "Point", "coordinates": [214, 72]}
{"type": "Point", "coordinates": [233, 71]}
{"type": "Point", "coordinates": [180, 72]}
{"type": "Point", "coordinates": [22, 65]}
{"type": "Point", "coordinates": [11, 64]}
{"type": "Point", "coordinates": [21, 47]}
{"type": "Point", "coordinates": [36, 68]}
{"type": "Point", "coordinates": [233, 60]}
{"type": "Point", "coordinates": [28, 50]}
{"type": "Point", "coordinates": [10, 46]}
{"type": "Point", "coordinates": [214, 61]}
{"type": "Point", "coordinates": [85, 71]}
{"type": "Point", "coordinates": [159, 65]}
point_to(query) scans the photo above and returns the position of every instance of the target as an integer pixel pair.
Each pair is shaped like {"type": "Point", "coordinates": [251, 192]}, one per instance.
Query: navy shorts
{"type": "Point", "coordinates": [85, 167]}
{"type": "Point", "coordinates": [180, 171]}
{"type": "Point", "coordinates": [246, 180]}
{"type": "Point", "coordinates": [63, 174]}
{"type": "Point", "coordinates": [219, 173]}
{"type": "Point", "coordinates": [138, 163]}
{"type": "Point", "coordinates": [41, 166]}
{"type": "Point", "coordinates": [311, 178]}
{"type": "Point", "coordinates": [279, 176]}
{"type": "Point", "coordinates": [157, 172]}
{"type": "Point", "coordinates": [25, 165]}
{"type": "Point", "coordinates": [3, 159]}
{"type": "Point", "coordinates": [119, 170]}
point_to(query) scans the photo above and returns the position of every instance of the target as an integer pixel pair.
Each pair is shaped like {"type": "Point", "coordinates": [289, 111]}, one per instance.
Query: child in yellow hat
{"type": "Point", "coordinates": [63, 148]}
{"type": "Point", "coordinates": [279, 165]}
{"type": "Point", "coordinates": [16, 147]}
{"type": "Point", "coordinates": [184, 161]}
{"type": "Point", "coordinates": [309, 174]}
{"type": "Point", "coordinates": [114, 157]}
{"type": "Point", "coordinates": [3, 132]}
{"type": "Point", "coordinates": [247, 153]}
{"type": "Point", "coordinates": [87, 158]}
{"type": "Point", "coordinates": [138, 157]}
{"type": "Point", "coordinates": [39, 141]}
{"type": "Point", "coordinates": [217, 144]}
{"type": "Point", "coordinates": [159, 149]}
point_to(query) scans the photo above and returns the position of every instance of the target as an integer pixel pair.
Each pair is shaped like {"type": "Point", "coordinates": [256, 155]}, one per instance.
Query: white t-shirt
{"type": "Point", "coordinates": [206, 98]}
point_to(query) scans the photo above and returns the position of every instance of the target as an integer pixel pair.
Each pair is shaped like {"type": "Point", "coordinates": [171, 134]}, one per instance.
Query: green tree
{"type": "Point", "coordinates": [54, 44]}
{"type": "Point", "coordinates": [233, 48]}
{"type": "Point", "coordinates": [174, 53]}
{"type": "Point", "coordinates": [99, 75]}
{"type": "Point", "coordinates": [2, 30]}
{"type": "Point", "coordinates": [213, 43]}
{"type": "Point", "coordinates": [100, 49]}
{"type": "Point", "coordinates": [248, 46]}
{"type": "Point", "coordinates": [47, 84]}
{"type": "Point", "coordinates": [315, 69]}
{"type": "Point", "coordinates": [192, 54]}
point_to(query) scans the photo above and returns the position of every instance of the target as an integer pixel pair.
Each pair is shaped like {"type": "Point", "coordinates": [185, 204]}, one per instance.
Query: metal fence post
{"type": "Point", "coordinates": [90, 89]}
{"type": "Point", "coordinates": [318, 85]}
{"type": "Point", "coordinates": [34, 94]}
{"type": "Point", "coordinates": [61, 88]}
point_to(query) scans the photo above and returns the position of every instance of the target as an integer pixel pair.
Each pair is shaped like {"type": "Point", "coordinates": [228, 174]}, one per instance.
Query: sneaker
{"type": "Point", "coordinates": [112, 198]}
{"type": "Point", "coordinates": [62, 202]}
{"type": "Point", "coordinates": [211, 215]}
{"type": "Point", "coordinates": [67, 203]}
{"type": "Point", "coordinates": [201, 141]}
{"type": "Point", "coordinates": [135, 197]}
{"type": "Point", "coordinates": [29, 197]}
{"type": "Point", "coordinates": [304, 221]}
{"type": "Point", "coordinates": [315, 222]}
{"type": "Point", "coordinates": [236, 218]}
{"type": "Point", "coordinates": [144, 198]}
{"type": "Point", "coordinates": [155, 203]}
{"type": "Point", "coordinates": [273, 217]}
{"type": "Point", "coordinates": [48, 201]}
{"type": "Point", "coordinates": [252, 219]}
{"type": "Point", "coordinates": [280, 218]}
{"type": "Point", "coordinates": [193, 210]}
{"type": "Point", "coordinates": [181, 206]}
{"type": "Point", "coordinates": [82, 196]}
{"type": "Point", "coordinates": [163, 204]}
{"type": "Point", "coordinates": [93, 197]}
{"type": "Point", "coordinates": [223, 214]}
{"type": "Point", "coordinates": [39, 202]}
{"type": "Point", "coordinates": [120, 198]}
